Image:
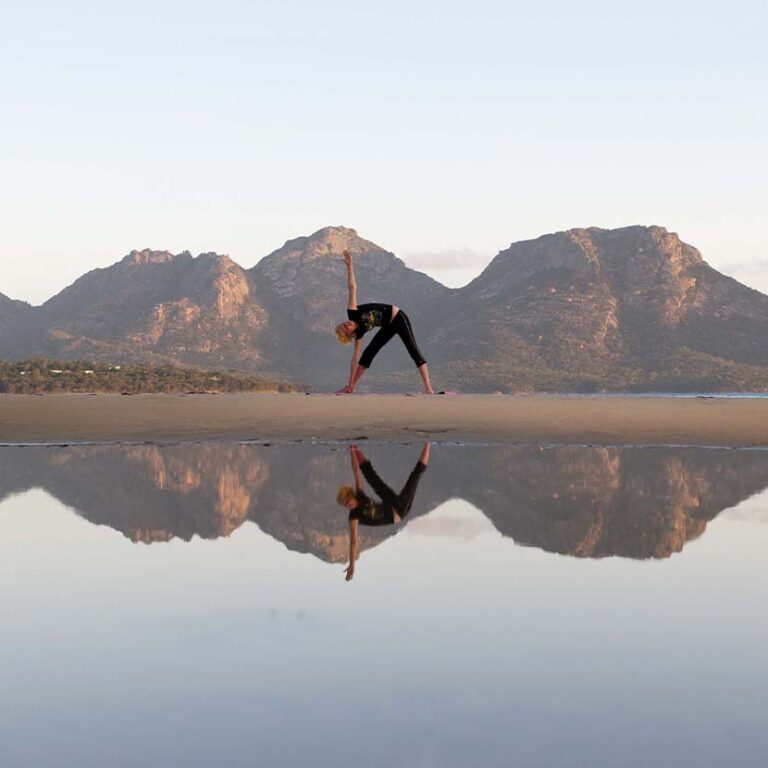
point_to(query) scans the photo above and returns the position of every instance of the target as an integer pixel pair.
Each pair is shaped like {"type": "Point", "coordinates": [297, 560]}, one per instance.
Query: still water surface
{"type": "Point", "coordinates": [187, 606]}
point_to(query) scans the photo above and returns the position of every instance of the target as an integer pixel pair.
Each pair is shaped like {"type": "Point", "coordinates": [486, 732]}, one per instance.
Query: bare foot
{"type": "Point", "coordinates": [429, 391]}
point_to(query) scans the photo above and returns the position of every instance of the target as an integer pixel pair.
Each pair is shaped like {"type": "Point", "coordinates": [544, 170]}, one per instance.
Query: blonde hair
{"type": "Point", "coordinates": [342, 335]}
{"type": "Point", "coordinates": [346, 492]}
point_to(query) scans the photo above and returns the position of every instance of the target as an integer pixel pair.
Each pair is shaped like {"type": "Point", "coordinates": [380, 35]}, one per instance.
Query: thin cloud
{"type": "Point", "coordinates": [446, 259]}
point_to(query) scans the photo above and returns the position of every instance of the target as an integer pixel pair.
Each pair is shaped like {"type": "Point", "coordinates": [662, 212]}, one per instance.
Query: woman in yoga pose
{"type": "Point", "coordinates": [390, 320]}
{"type": "Point", "coordinates": [364, 510]}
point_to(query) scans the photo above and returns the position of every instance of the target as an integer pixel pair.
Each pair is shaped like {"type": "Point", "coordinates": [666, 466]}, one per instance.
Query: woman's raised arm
{"type": "Point", "coordinates": [353, 550]}
{"type": "Point", "coordinates": [352, 302]}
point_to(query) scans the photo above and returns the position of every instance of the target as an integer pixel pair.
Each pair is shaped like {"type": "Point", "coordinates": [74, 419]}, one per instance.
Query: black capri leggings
{"type": "Point", "coordinates": [399, 502]}
{"type": "Point", "coordinates": [401, 325]}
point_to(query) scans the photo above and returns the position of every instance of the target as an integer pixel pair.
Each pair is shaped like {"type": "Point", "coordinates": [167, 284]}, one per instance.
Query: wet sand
{"type": "Point", "coordinates": [467, 418]}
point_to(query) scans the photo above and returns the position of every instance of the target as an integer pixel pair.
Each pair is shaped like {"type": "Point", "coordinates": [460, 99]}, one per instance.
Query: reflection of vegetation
{"type": "Point", "coordinates": [42, 375]}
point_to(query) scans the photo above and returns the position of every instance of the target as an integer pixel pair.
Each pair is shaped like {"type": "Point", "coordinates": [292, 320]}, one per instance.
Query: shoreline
{"type": "Point", "coordinates": [258, 417]}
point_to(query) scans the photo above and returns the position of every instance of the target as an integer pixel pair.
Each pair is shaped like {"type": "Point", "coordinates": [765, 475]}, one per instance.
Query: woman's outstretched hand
{"type": "Point", "coordinates": [347, 257]}
{"type": "Point", "coordinates": [356, 453]}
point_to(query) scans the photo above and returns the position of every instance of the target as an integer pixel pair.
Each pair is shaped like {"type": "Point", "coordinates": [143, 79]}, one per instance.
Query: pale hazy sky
{"type": "Point", "coordinates": [441, 131]}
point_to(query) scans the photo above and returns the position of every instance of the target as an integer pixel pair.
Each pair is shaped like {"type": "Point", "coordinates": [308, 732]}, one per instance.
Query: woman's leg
{"type": "Point", "coordinates": [399, 503]}
{"type": "Point", "coordinates": [406, 496]}
{"type": "Point", "coordinates": [404, 329]}
{"type": "Point", "coordinates": [383, 335]}
{"type": "Point", "coordinates": [382, 490]}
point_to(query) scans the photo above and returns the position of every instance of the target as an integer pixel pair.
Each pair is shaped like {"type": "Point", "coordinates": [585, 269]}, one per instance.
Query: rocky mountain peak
{"type": "Point", "coordinates": [148, 256]}
{"type": "Point", "coordinates": [222, 258]}
{"type": "Point", "coordinates": [638, 252]}
{"type": "Point", "coordinates": [326, 241]}
{"type": "Point", "coordinates": [304, 261]}
{"type": "Point", "coordinates": [219, 281]}
{"type": "Point", "coordinates": [333, 234]}
{"type": "Point", "coordinates": [204, 260]}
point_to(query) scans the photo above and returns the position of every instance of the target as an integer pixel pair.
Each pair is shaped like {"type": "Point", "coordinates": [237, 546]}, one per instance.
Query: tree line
{"type": "Point", "coordinates": [41, 375]}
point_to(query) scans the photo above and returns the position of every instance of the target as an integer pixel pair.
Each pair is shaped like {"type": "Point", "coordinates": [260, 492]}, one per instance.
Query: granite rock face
{"type": "Point", "coordinates": [154, 306]}
{"type": "Point", "coordinates": [583, 310]}
{"type": "Point", "coordinates": [592, 308]}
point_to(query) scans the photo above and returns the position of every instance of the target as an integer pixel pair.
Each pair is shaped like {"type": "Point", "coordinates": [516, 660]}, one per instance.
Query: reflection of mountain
{"type": "Point", "coordinates": [147, 492]}
{"type": "Point", "coordinates": [585, 502]}
{"type": "Point", "coordinates": [631, 502]}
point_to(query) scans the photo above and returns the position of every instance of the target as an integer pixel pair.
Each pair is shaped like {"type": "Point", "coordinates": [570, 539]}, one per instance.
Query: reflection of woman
{"type": "Point", "coordinates": [389, 319]}
{"type": "Point", "coordinates": [392, 508]}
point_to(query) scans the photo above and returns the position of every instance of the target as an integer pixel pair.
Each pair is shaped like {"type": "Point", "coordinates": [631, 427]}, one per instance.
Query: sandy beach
{"type": "Point", "coordinates": [484, 418]}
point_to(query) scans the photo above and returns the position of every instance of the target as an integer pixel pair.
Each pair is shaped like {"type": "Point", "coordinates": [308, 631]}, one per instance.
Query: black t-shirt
{"type": "Point", "coordinates": [370, 512]}
{"type": "Point", "coordinates": [368, 316]}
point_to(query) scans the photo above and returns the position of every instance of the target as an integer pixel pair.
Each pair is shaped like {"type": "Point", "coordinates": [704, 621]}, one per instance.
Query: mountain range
{"type": "Point", "coordinates": [581, 310]}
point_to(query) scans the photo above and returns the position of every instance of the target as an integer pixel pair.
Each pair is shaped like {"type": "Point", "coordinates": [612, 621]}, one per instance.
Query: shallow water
{"type": "Point", "coordinates": [186, 606]}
